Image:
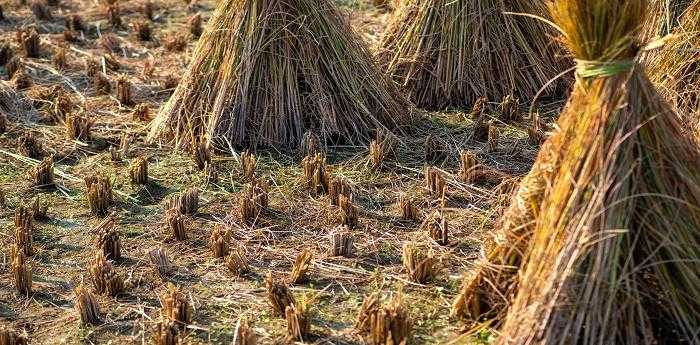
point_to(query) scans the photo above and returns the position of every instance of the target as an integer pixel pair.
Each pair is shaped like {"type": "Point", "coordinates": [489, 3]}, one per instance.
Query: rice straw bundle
{"type": "Point", "coordinates": [267, 71]}
{"type": "Point", "coordinates": [676, 67]}
{"type": "Point", "coordinates": [447, 53]}
{"type": "Point", "coordinates": [602, 241]}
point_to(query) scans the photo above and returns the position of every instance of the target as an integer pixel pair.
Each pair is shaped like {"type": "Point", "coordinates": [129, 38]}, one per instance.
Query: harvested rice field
{"type": "Point", "coordinates": [329, 172]}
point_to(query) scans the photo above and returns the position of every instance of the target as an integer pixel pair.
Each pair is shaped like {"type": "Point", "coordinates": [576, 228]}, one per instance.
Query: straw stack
{"type": "Point", "coordinates": [602, 240]}
{"type": "Point", "coordinates": [267, 71]}
{"type": "Point", "coordinates": [448, 53]}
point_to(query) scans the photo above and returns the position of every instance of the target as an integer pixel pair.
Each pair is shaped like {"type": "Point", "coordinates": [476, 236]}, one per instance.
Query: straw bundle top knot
{"type": "Point", "coordinates": [602, 69]}
{"type": "Point", "coordinates": [602, 35]}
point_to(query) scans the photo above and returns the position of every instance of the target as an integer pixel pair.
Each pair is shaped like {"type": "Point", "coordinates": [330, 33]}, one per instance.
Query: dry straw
{"type": "Point", "coordinates": [31, 44]}
{"type": "Point", "coordinates": [419, 266]}
{"type": "Point", "coordinates": [451, 52]}
{"type": "Point", "coordinates": [220, 241]}
{"type": "Point", "coordinates": [676, 67]}
{"type": "Point", "coordinates": [100, 82]}
{"type": "Point", "coordinates": [59, 57]}
{"type": "Point", "coordinates": [175, 307]}
{"type": "Point", "coordinates": [76, 23]}
{"type": "Point", "coordinates": [408, 211]}
{"type": "Point", "coordinates": [386, 324]}
{"type": "Point", "coordinates": [111, 62]}
{"type": "Point", "coordinates": [481, 127]}
{"type": "Point", "coordinates": [266, 71]}
{"type": "Point", "coordinates": [348, 212]}
{"type": "Point", "coordinates": [211, 174]}
{"type": "Point", "coordinates": [201, 154]}
{"type": "Point", "coordinates": [535, 132]}
{"type": "Point", "coordinates": [6, 53]}
{"type": "Point", "coordinates": [138, 171]}
{"type": "Point", "coordinates": [28, 145]}
{"type": "Point", "coordinates": [383, 147]}
{"type": "Point", "coordinates": [42, 174]}
{"type": "Point", "coordinates": [301, 266]}
{"type": "Point", "coordinates": [510, 109]}
{"type": "Point", "coordinates": [166, 333]}
{"type": "Point", "coordinates": [21, 270]}
{"type": "Point", "coordinates": [369, 305]}
{"type": "Point", "coordinates": [108, 240]}
{"type": "Point", "coordinates": [41, 11]}
{"type": "Point", "coordinates": [87, 307]}
{"type": "Point", "coordinates": [253, 200]}
{"type": "Point", "coordinates": [104, 278]}
{"type": "Point", "coordinates": [310, 144]}
{"type": "Point", "coordinates": [176, 224]}
{"type": "Point", "coordinates": [78, 127]}
{"type": "Point", "coordinates": [21, 80]}
{"type": "Point", "coordinates": [245, 334]}
{"type": "Point", "coordinates": [437, 228]}
{"type": "Point", "coordinates": [434, 182]}
{"type": "Point", "coordinates": [468, 167]}
{"type": "Point", "coordinates": [143, 31]}
{"type": "Point", "coordinates": [186, 203]}
{"type": "Point", "coordinates": [248, 164]}
{"type": "Point", "coordinates": [237, 261]}
{"type": "Point", "coordinates": [336, 187]}
{"type": "Point", "coordinates": [600, 243]}
{"type": "Point", "coordinates": [435, 148]}
{"type": "Point", "coordinates": [39, 210]}
{"type": "Point", "coordinates": [124, 88]}
{"type": "Point", "coordinates": [176, 42]}
{"type": "Point", "coordinates": [664, 16]}
{"type": "Point", "coordinates": [14, 66]}
{"type": "Point", "coordinates": [114, 15]}
{"type": "Point", "coordinates": [159, 258]}
{"type": "Point", "coordinates": [24, 229]}
{"type": "Point", "coordinates": [148, 9]}
{"type": "Point", "coordinates": [124, 143]}
{"type": "Point", "coordinates": [9, 336]}
{"type": "Point", "coordinates": [23, 240]}
{"type": "Point", "coordinates": [492, 140]}
{"type": "Point", "coordinates": [195, 25]}
{"type": "Point", "coordinates": [55, 101]}
{"type": "Point", "coordinates": [341, 242]}
{"type": "Point", "coordinates": [279, 297]}
{"type": "Point", "coordinates": [23, 216]}
{"type": "Point", "coordinates": [99, 194]}
{"type": "Point", "coordinates": [298, 322]}
{"type": "Point", "coordinates": [141, 112]}
{"type": "Point", "coordinates": [315, 174]}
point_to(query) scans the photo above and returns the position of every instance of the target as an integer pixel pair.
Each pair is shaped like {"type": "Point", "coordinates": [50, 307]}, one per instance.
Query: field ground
{"type": "Point", "coordinates": [65, 245]}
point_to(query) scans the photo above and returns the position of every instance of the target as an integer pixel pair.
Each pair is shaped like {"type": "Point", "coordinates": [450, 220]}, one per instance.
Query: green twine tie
{"type": "Point", "coordinates": [594, 69]}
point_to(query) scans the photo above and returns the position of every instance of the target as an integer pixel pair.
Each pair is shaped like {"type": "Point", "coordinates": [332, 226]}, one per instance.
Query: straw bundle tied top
{"type": "Point", "coordinates": [449, 53]}
{"type": "Point", "coordinates": [601, 242]}
{"type": "Point", "coordinates": [676, 67]}
{"type": "Point", "coordinates": [267, 71]}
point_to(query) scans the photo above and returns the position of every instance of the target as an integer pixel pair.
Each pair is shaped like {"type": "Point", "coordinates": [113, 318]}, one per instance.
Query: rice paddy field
{"type": "Point", "coordinates": [127, 239]}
